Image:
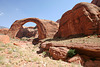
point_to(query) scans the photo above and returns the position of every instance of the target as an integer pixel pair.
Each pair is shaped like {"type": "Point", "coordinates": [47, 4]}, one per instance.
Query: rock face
{"type": "Point", "coordinates": [4, 31]}
{"type": "Point", "coordinates": [92, 64]}
{"type": "Point", "coordinates": [4, 39]}
{"type": "Point", "coordinates": [46, 28]}
{"type": "Point", "coordinates": [91, 50]}
{"type": "Point", "coordinates": [96, 2]}
{"type": "Point", "coordinates": [27, 32]}
{"type": "Point", "coordinates": [83, 19]}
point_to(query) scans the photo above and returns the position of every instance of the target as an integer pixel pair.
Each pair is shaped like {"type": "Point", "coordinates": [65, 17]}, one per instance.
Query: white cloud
{"type": "Point", "coordinates": [1, 13]}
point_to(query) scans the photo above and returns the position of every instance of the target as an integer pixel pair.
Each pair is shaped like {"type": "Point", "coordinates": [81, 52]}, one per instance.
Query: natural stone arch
{"type": "Point", "coordinates": [46, 28]}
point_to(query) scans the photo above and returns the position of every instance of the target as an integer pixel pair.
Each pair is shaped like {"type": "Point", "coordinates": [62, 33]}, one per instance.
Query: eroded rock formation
{"type": "Point", "coordinates": [83, 19]}
{"type": "Point", "coordinates": [46, 28]}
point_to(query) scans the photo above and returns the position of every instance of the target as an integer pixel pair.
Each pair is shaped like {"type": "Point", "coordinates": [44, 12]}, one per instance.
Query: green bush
{"type": "Point", "coordinates": [71, 52]}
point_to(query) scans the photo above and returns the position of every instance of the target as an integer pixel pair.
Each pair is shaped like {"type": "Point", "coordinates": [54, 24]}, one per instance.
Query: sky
{"type": "Point", "coordinates": [12, 10]}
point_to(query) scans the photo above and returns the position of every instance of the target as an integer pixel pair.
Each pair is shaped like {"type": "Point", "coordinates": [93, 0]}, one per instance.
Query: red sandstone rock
{"type": "Point", "coordinates": [20, 44]}
{"type": "Point", "coordinates": [76, 59]}
{"type": "Point", "coordinates": [89, 64]}
{"type": "Point", "coordinates": [96, 2]}
{"type": "Point", "coordinates": [92, 64]}
{"type": "Point", "coordinates": [98, 36]}
{"type": "Point", "coordinates": [46, 28]}
{"type": "Point", "coordinates": [48, 45]}
{"type": "Point", "coordinates": [58, 52]}
{"type": "Point", "coordinates": [58, 21]}
{"type": "Point", "coordinates": [4, 31]}
{"type": "Point", "coordinates": [27, 32]}
{"type": "Point", "coordinates": [83, 19]}
{"type": "Point", "coordinates": [91, 50]}
{"type": "Point", "coordinates": [4, 39]}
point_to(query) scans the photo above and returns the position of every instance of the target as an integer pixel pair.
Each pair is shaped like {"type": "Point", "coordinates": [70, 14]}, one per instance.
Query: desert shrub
{"type": "Point", "coordinates": [71, 52]}
{"type": "Point", "coordinates": [44, 53]}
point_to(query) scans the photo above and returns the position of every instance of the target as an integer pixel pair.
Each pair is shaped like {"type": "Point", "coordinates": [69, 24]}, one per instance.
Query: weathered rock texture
{"type": "Point", "coordinates": [83, 19]}
{"type": "Point", "coordinates": [27, 32]}
{"type": "Point", "coordinates": [91, 50]}
{"type": "Point", "coordinates": [46, 28]}
{"type": "Point", "coordinates": [92, 64]}
{"type": "Point", "coordinates": [4, 31]}
{"type": "Point", "coordinates": [58, 52]}
{"type": "Point", "coordinates": [4, 39]}
{"type": "Point", "coordinates": [96, 2]}
{"type": "Point", "coordinates": [76, 59]}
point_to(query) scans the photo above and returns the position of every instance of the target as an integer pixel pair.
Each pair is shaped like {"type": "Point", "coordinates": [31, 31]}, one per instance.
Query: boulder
{"type": "Point", "coordinates": [4, 30]}
{"type": "Point", "coordinates": [83, 19]}
{"type": "Point", "coordinates": [76, 59]}
{"type": "Point", "coordinates": [58, 52]}
{"type": "Point", "coordinates": [96, 2]}
{"type": "Point", "coordinates": [36, 41]}
{"type": "Point", "coordinates": [46, 28]}
{"type": "Point", "coordinates": [4, 39]}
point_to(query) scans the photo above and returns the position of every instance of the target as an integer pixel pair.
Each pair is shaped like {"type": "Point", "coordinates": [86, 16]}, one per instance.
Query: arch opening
{"type": "Point", "coordinates": [28, 30]}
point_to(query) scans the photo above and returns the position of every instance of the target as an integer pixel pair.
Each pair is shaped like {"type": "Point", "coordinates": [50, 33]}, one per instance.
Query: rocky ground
{"type": "Point", "coordinates": [22, 53]}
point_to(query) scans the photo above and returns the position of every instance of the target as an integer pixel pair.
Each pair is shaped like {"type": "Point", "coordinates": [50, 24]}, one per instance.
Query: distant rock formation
{"type": "Point", "coordinates": [27, 32]}
{"type": "Point", "coordinates": [1, 27]}
{"type": "Point", "coordinates": [83, 19]}
{"type": "Point", "coordinates": [46, 28]}
{"type": "Point", "coordinates": [4, 30]}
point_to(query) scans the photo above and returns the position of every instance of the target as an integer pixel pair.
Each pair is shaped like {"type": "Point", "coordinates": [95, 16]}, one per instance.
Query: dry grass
{"type": "Point", "coordinates": [12, 56]}
{"type": "Point", "coordinates": [91, 39]}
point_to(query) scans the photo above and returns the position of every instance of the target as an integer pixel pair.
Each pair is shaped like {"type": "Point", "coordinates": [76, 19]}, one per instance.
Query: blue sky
{"type": "Point", "coordinates": [11, 10]}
